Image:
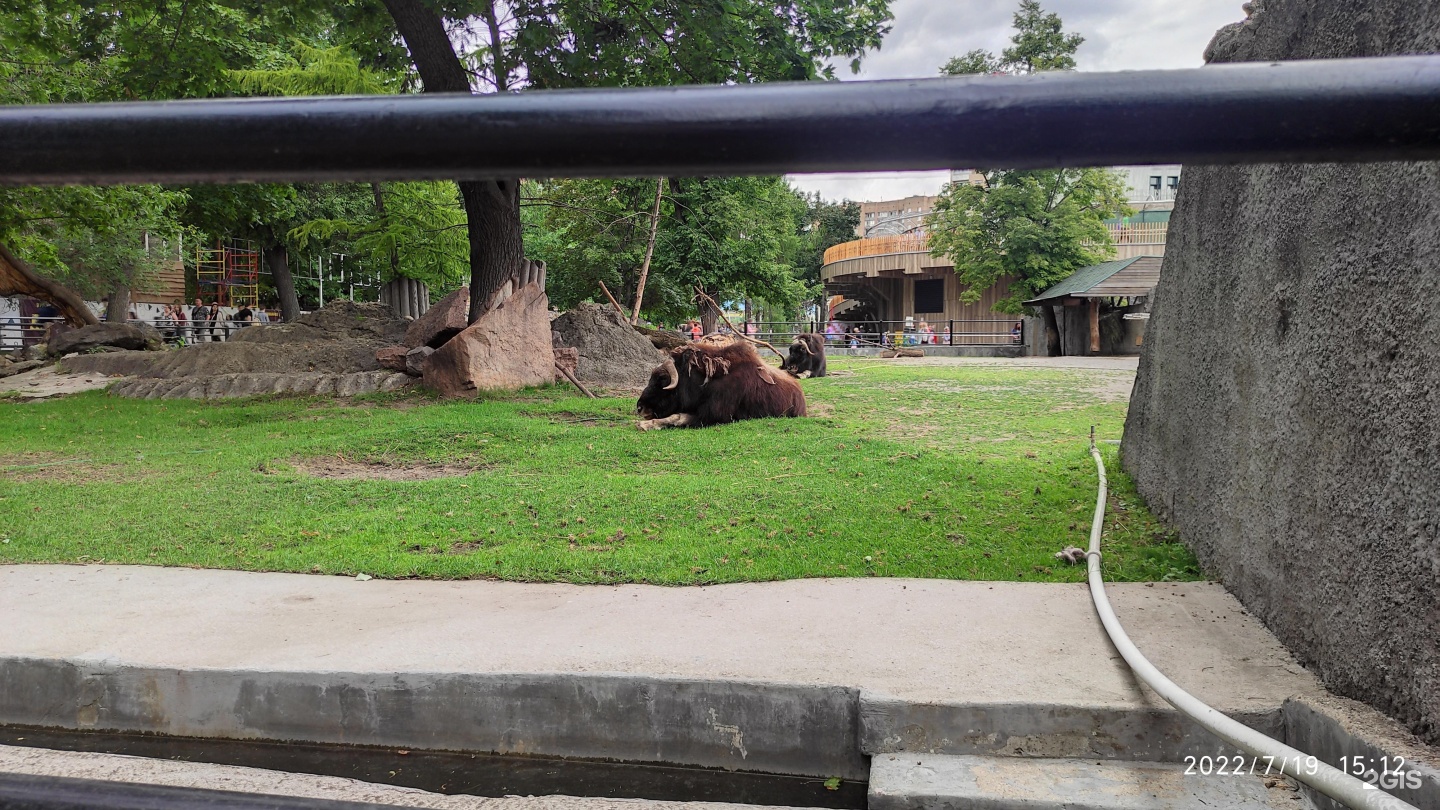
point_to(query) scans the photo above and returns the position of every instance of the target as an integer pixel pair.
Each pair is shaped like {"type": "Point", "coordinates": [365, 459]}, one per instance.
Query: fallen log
{"type": "Point", "coordinates": [16, 278]}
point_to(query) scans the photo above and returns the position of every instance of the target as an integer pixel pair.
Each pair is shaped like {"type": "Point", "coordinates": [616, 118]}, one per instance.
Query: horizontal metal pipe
{"type": "Point", "coordinates": [1335, 110]}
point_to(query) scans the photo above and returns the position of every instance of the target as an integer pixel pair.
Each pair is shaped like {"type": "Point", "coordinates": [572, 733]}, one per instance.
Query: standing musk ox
{"type": "Point", "coordinates": [807, 356]}
{"type": "Point", "coordinates": [710, 384]}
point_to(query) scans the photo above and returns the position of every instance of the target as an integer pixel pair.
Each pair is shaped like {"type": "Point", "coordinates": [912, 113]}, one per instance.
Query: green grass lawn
{"type": "Point", "coordinates": [964, 472]}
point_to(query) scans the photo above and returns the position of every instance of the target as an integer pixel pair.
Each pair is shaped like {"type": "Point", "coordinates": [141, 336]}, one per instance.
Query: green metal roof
{"type": "Point", "coordinates": [1083, 279]}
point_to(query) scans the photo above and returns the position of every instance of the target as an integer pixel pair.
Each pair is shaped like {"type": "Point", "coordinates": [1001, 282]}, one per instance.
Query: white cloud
{"type": "Point", "coordinates": [1119, 35]}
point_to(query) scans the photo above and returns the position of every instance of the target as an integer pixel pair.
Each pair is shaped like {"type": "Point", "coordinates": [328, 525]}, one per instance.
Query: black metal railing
{"type": "Point", "coordinates": [1345, 110]}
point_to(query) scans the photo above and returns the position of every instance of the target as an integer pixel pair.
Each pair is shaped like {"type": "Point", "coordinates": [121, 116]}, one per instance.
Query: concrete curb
{"type": "Point", "coordinates": [775, 728]}
{"type": "Point", "coordinates": [769, 728]}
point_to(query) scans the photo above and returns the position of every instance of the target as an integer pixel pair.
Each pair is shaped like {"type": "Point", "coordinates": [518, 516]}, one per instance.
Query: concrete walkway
{"type": "Point", "coordinates": [919, 641]}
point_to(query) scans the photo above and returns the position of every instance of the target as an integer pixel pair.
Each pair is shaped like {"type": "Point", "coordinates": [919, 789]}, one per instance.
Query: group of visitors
{"type": "Point", "coordinates": [206, 322]}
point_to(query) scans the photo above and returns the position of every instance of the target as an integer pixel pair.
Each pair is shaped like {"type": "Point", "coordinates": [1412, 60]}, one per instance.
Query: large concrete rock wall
{"type": "Point", "coordinates": [1286, 417]}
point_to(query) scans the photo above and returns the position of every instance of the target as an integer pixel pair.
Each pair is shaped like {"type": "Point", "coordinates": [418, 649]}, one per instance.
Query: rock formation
{"type": "Point", "coordinates": [1285, 414]}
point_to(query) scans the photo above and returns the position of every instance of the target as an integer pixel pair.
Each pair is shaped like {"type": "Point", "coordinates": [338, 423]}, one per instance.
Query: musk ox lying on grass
{"type": "Point", "coordinates": [807, 356]}
{"type": "Point", "coordinates": [704, 384]}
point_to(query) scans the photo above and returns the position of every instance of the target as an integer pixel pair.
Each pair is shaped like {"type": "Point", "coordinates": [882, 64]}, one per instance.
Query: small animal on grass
{"type": "Point", "coordinates": [807, 357]}
{"type": "Point", "coordinates": [705, 384]}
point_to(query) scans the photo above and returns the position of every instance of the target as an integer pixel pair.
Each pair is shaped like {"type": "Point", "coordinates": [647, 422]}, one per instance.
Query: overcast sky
{"type": "Point", "coordinates": [1119, 35]}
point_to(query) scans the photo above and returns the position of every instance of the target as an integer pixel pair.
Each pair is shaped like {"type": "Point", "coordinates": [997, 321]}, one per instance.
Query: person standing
{"type": "Point", "coordinates": [182, 323]}
{"type": "Point", "coordinates": [200, 320]}
{"type": "Point", "coordinates": [219, 327]}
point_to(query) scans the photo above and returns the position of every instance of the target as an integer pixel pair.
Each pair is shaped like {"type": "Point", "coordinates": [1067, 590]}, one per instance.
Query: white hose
{"type": "Point", "coordinates": [1338, 785]}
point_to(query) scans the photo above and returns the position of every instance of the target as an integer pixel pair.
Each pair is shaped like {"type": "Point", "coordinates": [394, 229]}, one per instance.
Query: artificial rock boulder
{"type": "Point", "coordinates": [1284, 415]}
{"type": "Point", "coordinates": [392, 357]}
{"type": "Point", "coordinates": [611, 352]}
{"type": "Point", "coordinates": [508, 348]}
{"type": "Point", "coordinates": [443, 321]}
{"type": "Point", "coordinates": [116, 335]}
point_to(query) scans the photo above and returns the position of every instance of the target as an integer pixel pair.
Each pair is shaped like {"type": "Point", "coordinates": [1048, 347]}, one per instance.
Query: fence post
{"type": "Point", "coordinates": [950, 334]}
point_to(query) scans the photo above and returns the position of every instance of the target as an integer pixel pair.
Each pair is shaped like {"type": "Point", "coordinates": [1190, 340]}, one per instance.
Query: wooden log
{"type": "Point", "coordinates": [892, 353]}
{"type": "Point", "coordinates": [613, 302]}
{"type": "Point", "coordinates": [571, 377]}
{"type": "Point", "coordinates": [1094, 325]}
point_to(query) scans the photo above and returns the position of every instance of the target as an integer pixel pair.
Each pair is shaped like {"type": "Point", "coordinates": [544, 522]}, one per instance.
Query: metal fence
{"type": "Point", "coordinates": [885, 334]}
{"type": "Point", "coordinates": [23, 331]}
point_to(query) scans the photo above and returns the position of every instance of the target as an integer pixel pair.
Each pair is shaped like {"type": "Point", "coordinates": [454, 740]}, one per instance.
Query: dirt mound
{"type": "Point", "coordinates": [612, 353]}
{"type": "Point", "coordinates": [339, 339]}
{"type": "Point", "coordinates": [340, 320]}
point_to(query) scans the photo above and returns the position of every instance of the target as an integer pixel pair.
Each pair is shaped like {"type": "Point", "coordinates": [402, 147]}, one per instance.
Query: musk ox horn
{"type": "Point", "coordinates": [669, 366]}
{"type": "Point", "coordinates": [803, 346]}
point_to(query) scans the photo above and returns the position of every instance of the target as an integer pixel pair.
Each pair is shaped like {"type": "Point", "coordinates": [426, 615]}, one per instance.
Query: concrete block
{"type": "Point", "coordinates": [1042, 730]}
{"type": "Point", "coordinates": [907, 781]}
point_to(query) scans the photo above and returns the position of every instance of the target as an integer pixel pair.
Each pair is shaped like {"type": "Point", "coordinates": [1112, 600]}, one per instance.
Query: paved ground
{"type": "Point", "coordinates": [117, 768]}
{"type": "Point", "coordinates": [1128, 363]}
{"type": "Point", "coordinates": [917, 640]}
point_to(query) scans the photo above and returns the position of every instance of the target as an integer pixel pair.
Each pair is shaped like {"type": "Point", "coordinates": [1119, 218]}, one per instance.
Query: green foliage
{"type": "Point", "coordinates": [825, 225]}
{"type": "Point", "coordinates": [589, 231]}
{"type": "Point", "coordinates": [985, 475]}
{"type": "Point", "coordinates": [423, 228]}
{"type": "Point", "coordinates": [975, 62]}
{"type": "Point", "coordinates": [578, 43]}
{"type": "Point", "coordinates": [309, 70]}
{"type": "Point", "coordinates": [1035, 227]}
{"type": "Point", "coordinates": [1039, 44]}
{"type": "Point", "coordinates": [735, 237]}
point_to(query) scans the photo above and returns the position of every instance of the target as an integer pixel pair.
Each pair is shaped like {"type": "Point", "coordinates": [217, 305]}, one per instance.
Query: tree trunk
{"type": "Point", "coordinates": [277, 258]}
{"type": "Point", "coordinates": [117, 309]}
{"type": "Point", "coordinates": [1052, 332]}
{"type": "Point", "coordinates": [649, 251]}
{"type": "Point", "coordinates": [380, 213]}
{"type": "Point", "coordinates": [496, 248]}
{"type": "Point", "coordinates": [491, 206]}
{"type": "Point", "coordinates": [709, 315]}
{"type": "Point", "coordinates": [1094, 325]}
{"type": "Point", "coordinates": [16, 278]}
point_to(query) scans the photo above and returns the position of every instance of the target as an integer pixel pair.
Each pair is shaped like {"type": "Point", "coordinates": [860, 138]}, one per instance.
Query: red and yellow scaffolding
{"type": "Point", "coordinates": [229, 273]}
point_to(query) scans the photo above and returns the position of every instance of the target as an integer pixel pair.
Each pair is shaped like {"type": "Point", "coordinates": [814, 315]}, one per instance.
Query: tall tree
{"type": "Point", "coordinates": [1039, 44]}
{"type": "Point", "coordinates": [577, 43]}
{"type": "Point", "coordinates": [1035, 227]}
{"type": "Point", "coordinates": [733, 237]}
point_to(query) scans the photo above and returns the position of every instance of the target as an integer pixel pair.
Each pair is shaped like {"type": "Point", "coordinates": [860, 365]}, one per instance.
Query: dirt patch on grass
{"type": "Point", "coordinates": [340, 467]}
{"type": "Point", "coordinates": [53, 467]}
{"type": "Point", "coordinates": [582, 419]}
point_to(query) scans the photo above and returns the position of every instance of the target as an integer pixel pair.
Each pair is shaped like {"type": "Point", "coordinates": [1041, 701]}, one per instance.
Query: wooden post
{"type": "Point", "coordinates": [1094, 325]}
